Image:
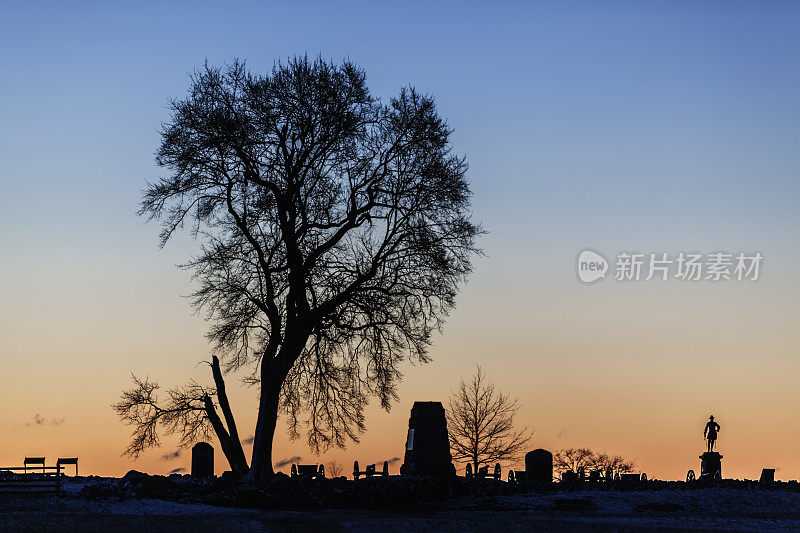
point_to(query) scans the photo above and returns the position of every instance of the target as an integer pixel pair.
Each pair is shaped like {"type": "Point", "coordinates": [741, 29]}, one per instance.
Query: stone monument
{"type": "Point", "coordinates": [539, 466]}
{"type": "Point", "coordinates": [202, 460]}
{"type": "Point", "coordinates": [428, 444]}
{"type": "Point", "coordinates": [710, 464]}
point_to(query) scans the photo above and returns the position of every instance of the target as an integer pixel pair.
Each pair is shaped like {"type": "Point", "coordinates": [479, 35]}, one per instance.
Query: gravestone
{"type": "Point", "coordinates": [539, 466]}
{"type": "Point", "coordinates": [202, 460]}
{"type": "Point", "coordinates": [767, 475]}
{"type": "Point", "coordinates": [710, 464]}
{"type": "Point", "coordinates": [427, 444]}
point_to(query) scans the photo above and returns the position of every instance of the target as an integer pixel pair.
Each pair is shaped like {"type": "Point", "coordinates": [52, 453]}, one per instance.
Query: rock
{"type": "Point", "coordinates": [148, 486]}
{"type": "Point", "coordinates": [133, 475]}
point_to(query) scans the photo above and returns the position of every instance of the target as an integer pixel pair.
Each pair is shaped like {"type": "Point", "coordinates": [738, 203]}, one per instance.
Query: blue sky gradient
{"type": "Point", "coordinates": [649, 126]}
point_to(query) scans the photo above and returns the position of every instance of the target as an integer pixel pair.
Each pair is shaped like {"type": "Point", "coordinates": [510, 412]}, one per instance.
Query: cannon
{"type": "Point", "coordinates": [483, 472]}
{"type": "Point", "coordinates": [370, 470]}
{"type": "Point", "coordinates": [308, 471]}
{"type": "Point", "coordinates": [517, 477]}
{"type": "Point", "coordinates": [703, 480]}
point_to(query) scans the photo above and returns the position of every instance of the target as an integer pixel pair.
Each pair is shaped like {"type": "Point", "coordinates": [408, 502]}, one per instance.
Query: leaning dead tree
{"type": "Point", "coordinates": [187, 411]}
{"type": "Point", "coordinates": [480, 422]}
{"type": "Point", "coordinates": [335, 232]}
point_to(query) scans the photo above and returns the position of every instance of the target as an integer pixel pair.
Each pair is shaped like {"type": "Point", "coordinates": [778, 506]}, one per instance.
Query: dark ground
{"type": "Point", "coordinates": [670, 507]}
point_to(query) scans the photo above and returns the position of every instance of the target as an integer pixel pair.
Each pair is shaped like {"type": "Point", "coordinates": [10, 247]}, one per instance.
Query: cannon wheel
{"type": "Point", "coordinates": [321, 471]}
{"type": "Point", "coordinates": [355, 470]}
{"type": "Point", "coordinates": [644, 476]}
{"type": "Point", "coordinates": [469, 470]}
{"type": "Point", "coordinates": [690, 476]}
{"type": "Point", "coordinates": [497, 471]}
{"type": "Point", "coordinates": [294, 470]}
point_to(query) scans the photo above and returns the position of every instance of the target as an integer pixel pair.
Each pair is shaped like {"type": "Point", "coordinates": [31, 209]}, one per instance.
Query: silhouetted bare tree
{"type": "Point", "coordinates": [572, 459]}
{"type": "Point", "coordinates": [617, 463]}
{"type": "Point", "coordinates": [480, 422]}
{"type": "Point", "coordinates": [335, 231]}
{"type": "Point", "coordinates": [334, 468]}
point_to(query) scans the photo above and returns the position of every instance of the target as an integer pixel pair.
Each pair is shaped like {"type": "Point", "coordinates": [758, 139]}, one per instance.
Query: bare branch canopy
{"type": "Point", "coordinates": [335, 231]}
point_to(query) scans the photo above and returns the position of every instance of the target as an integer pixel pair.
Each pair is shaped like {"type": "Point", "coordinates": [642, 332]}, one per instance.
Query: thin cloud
{"type": "Point", "coordinates": [561, 433]}
{"type": "Point", "coordinates": [284, 462]}
{"type": "Point", "coordinates": [177, 470]}
{"type": "Point", "coordinates": [394, 460]}
{"type": "Point", "coordinates": [249, 440]}
{"type": "Point", "coordinates": [40, 421]}
{"type": "Point", "coordinates": [172, 455]}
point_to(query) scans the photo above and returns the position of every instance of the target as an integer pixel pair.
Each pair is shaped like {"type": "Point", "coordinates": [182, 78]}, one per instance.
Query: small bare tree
{"type": "Point", "coordinates": [616, 463]}
{"type": "Point", "coordinates": [480, 421]}
{"type": "Point", "coordinates": [573, 459]}
{"type": "Point", "coordinates": [334, 468]}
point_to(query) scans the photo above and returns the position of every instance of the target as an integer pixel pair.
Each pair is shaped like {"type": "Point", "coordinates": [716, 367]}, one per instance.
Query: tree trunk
{"type": "Point", "coordinates": [261, 464]}
{"type": "Point", "coordinates": [273, 373]}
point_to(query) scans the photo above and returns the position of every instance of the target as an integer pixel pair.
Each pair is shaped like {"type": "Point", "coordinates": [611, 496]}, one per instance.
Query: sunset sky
{"type": "Point", "coordinates": [661, 127]}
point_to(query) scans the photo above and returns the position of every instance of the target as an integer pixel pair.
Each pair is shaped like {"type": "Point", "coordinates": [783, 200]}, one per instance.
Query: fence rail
{"type": "Point", "coordinates": [18, 479]}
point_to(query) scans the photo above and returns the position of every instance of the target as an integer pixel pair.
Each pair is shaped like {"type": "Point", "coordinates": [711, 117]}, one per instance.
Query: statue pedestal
{"type": "Point", "coordinates": [710, 464]}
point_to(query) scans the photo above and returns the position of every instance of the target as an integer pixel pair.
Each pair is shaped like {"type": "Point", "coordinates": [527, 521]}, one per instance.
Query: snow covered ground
{"type": "Point", "coordinates": [587, 510]}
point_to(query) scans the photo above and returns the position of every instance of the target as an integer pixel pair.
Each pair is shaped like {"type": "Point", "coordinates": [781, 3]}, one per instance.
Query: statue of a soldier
{"type": "Point", "coordinates": [710, 432]}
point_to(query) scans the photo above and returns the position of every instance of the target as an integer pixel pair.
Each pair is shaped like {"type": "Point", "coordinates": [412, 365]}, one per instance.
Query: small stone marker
{"type": "Point", "coordinates": [202, 460]}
